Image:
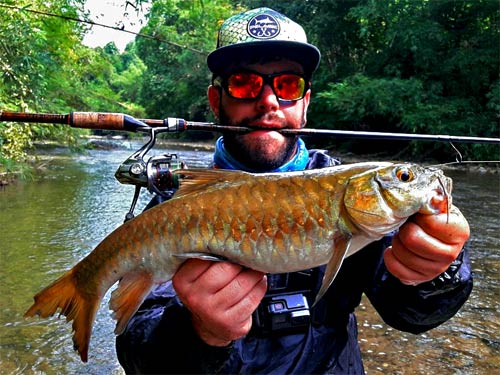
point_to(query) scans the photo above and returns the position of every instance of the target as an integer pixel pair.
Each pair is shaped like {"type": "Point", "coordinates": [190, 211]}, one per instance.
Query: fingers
{"type": "Point", "coordinates": [218, 326]}
{"type": "Point", "coordinates": [426, 246]}
{"type": "Point", "coordinates": [410, 269]}
{"type": "Point", "coordinates": [227, 282]}
{"type": "Point", "coordinates": [221, 297]}
{"type": "Point", "coordinates": [413, 241]}
{"type": "Point", "coordinates": [245, 291]}
{"type": "Point", "coordinates": [449, 227]}
{"type": "Point", "coordinates": [211, 275]}
{"type": "Point", "coordinates": [191, 269]}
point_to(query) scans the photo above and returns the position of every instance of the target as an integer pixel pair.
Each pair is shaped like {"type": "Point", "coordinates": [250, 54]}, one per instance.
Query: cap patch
{"type": "Point", "coordinates": [263, 26]}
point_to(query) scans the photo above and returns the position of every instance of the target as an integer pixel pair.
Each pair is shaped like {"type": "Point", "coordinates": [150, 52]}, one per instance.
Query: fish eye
{"type": "Point", "coordinates": [404, 174]}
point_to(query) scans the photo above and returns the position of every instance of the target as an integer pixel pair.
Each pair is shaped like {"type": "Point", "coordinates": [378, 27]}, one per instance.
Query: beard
{"type": "Point", "coordinates": [264, 154]}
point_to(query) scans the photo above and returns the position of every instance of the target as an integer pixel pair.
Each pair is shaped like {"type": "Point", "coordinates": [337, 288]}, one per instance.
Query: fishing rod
{"type": "Point", "coordinates": [123, 122]}
{"type": "Point", "coordinates": [155, 173]}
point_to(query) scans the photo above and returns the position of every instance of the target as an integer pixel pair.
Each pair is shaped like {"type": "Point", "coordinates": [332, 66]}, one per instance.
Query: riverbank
{"type": "Point", "coordinates": [466, 166]}
{"type": "Point", "coordinates": [346, 158]}
{"type": "Point", "coordinates": [34, 165]}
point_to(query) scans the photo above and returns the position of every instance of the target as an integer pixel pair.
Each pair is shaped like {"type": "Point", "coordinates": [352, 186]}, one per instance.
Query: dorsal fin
{"type": "Point", "coordinates": [198, 179]}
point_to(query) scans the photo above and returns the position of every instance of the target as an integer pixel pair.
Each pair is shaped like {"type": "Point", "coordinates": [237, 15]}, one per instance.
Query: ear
{"type": "Point", "coordinates": [306, 100]}
{"type": "Point", "coordinates": [214, 96]}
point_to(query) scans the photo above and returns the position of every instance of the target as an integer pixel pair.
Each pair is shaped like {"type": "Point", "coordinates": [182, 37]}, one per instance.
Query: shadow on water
{"type": "Point", "coordinates": [47, 225]}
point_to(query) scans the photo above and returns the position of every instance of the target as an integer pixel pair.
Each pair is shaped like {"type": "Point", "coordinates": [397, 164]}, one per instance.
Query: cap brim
{"type": "Point", "coordinates": [305, 54]}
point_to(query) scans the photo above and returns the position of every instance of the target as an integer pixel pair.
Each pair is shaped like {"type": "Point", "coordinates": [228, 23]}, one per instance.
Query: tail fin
{"type": "Point", "coordinates": [64, 294]}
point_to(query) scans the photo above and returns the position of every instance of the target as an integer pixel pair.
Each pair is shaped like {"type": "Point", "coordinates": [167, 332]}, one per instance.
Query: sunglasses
{"type": "Point", "coordinates": [287, 86]}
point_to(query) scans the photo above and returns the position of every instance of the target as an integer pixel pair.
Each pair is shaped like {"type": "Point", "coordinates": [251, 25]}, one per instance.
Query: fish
{"type": "Point", "coordinates": [270, 222]}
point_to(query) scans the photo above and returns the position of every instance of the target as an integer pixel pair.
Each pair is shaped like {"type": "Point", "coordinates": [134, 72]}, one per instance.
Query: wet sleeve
{"type": "Point", "coordinates": [419, 308]}
{"type": "Point", "coordinates": [160, 339]}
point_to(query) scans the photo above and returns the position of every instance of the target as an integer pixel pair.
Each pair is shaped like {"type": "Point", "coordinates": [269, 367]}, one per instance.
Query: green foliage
{"type": "Point", "coordinates": [359, 97]}
{"type": "Point", "coordinates": [13, 140]}
{"type": "Point", "coordinates": [415, 66]}
{"type": "Point", "coordinates": [419, 66]}
{"type": "Point", "coordinates": [33, 55]}
{"type": "Point", "coordinates": [45, 68]}
{"type": "Point", "coordinates": [177, 77]}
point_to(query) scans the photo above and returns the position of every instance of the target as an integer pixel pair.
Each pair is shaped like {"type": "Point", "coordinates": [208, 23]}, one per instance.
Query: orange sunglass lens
{"type": "Point", "coordinates": [289, 86]}
{"type": "Point", "coordinates": [244, 85]}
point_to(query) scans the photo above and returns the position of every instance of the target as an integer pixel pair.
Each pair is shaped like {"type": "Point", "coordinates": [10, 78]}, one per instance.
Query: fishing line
{"type": "Point", "coordinates": [447, 199]}
{"type": "Point", "coordinates": [464, 162]}
{"type": "Point", "coordinates": [75, 19]}
{"type": "Point", "coordinates": [460, 160]}
{"type": "Point", "coordinates": [458, 156]}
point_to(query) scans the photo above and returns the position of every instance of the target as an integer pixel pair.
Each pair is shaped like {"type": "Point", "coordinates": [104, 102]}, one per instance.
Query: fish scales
{"type": "Point", "coordinates": [254, 223]}
{"type": "Point", "coordinates": [280, 222]}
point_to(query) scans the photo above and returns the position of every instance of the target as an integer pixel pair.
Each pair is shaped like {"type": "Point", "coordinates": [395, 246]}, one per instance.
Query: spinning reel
{"type": "Point", "coordinates": [155, 173]}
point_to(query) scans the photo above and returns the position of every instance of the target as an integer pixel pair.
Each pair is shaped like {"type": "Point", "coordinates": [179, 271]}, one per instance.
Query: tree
{"type": "Point", "coordinates": [408, 66]}
{"type": "Point", "coordinates": [33, 51]}
{"type": "Point", "coordinates": [177, 77]}
{"type": "Point", "coordinates": [45, 68]}
{"type": "Point", "coordinates": [395, 65]}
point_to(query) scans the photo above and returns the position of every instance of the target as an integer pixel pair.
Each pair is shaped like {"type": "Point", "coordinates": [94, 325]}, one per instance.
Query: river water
{"type": "Point", "coordinates": [47, 225]}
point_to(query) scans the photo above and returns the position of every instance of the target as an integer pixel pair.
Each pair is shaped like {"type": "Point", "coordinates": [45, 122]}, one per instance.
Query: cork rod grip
{"type": "Point", "coordinates": [97, 120]}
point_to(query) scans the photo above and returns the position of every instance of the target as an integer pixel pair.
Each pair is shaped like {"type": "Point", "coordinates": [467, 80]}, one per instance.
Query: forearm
{"type": "Point", "coordinates": [419, 308]}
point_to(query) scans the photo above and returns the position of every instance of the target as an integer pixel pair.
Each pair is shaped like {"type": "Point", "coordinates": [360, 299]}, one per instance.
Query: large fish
{"type": "Point", "coordinates": [274, 223]}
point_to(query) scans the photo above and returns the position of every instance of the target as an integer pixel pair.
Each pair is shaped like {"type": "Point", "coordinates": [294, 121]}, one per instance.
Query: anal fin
{"type": "Point", "coordinates": [128, 296]}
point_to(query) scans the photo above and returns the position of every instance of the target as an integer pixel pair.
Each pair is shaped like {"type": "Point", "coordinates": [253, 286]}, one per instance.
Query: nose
{"type": "Point", "coordinates": [267, 100]}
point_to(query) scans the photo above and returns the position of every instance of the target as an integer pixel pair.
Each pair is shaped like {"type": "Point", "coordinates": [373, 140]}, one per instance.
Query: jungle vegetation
{"type": "Point", "coordinates": [413, 66]}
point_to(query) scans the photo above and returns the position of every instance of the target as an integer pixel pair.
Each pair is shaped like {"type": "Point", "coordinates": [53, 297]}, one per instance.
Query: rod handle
{"type": "Point", "coordinates": [97, 120]}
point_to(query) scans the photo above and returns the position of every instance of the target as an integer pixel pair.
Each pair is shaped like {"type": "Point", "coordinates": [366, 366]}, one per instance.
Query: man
{"type": "Point", "coordinates": [223, 318]}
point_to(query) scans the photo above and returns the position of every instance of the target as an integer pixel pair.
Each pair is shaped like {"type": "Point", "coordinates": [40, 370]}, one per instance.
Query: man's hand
{"type": "Point", "coordinates": [426, 245]}
{"type": "Point", "coordinates": [221, 297]}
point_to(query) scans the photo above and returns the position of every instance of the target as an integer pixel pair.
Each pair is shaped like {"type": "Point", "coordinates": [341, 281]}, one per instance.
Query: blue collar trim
{"type": "Point", "coordinates": [223, 160]}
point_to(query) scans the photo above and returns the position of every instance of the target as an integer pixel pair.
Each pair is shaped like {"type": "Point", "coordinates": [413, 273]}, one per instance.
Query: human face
{"type": "Point", "coordinates": [264, 148]}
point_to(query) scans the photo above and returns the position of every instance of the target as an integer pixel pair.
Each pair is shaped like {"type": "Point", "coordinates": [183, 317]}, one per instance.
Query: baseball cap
{"type": "Point", "coordinates": [262, 32]}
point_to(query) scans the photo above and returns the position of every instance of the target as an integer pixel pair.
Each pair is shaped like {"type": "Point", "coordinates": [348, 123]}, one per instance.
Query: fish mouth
{"type": "Point", "coordinates": [440, 197]}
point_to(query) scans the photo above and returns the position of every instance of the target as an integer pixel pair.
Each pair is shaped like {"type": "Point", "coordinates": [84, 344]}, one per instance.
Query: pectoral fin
{"type": "Point", "coordinates": [340, 250]}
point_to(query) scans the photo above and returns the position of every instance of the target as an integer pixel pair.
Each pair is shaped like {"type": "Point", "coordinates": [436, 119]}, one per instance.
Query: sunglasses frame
{"type": "Point", "coordinates": [268, 79]}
